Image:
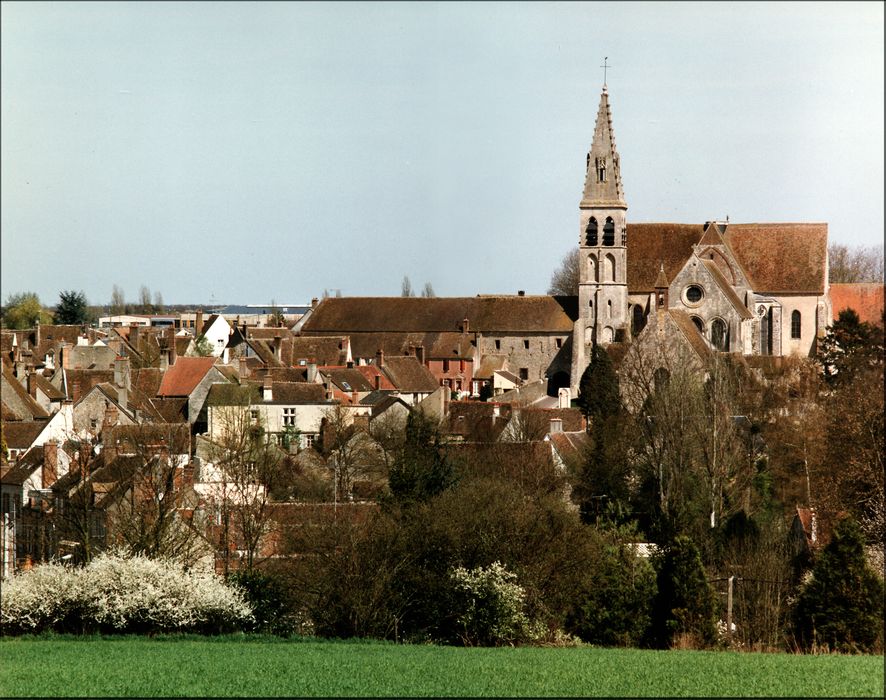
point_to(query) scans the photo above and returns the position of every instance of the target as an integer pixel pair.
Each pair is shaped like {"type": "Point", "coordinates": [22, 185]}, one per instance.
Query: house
{"type": "Point", "coordinates": [191, 378]}
{"type": "Point", "coordinates": [217, 331]}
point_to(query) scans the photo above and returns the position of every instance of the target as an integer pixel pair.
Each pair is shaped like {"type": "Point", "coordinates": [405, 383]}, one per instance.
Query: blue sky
{"type": "Point", "coordinates": [243, 153]}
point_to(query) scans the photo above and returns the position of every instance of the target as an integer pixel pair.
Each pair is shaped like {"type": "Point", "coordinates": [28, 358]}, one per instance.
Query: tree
{"type": "Point", "coordinates": [428, 291]}
{"type": "Point", "coordinates": [202, 346]}
{"type": "Point", "coordinates": [276, 316]}
{"type": "Point", "coordinates": [118, 301]}
{"type": "Point", "coordinates": [849, 346]}
{"type": "Point", "coordinates": [158, 303]}
{"type": "Point", "coordinates": [250, 468]}
{"type": "Point", "coordinates": [860, 264]}
{"type": "Point", "coordinates": [841, 605]}
{"type": "Point", "coordinates": [684, 604]}
{"type": "Point", "coordinates": [144, 300]}
{"type": "Point", "coordinates": [406, 288]}
{"type": "Point", "coordinates": [24, 310]}
{"type": "Point", "coordinates": [598, 390]}
{"type": "Point", "coordinates": [564, 280]}
{"type": "Point", "coordinates": [422, 469]}
{"type": "Point", "coordinates": [72, 308]}
{"type": "Point", "coordinates": [350, 451]}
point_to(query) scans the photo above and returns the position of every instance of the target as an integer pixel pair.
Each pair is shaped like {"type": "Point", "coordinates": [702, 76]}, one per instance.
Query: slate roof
{"type": "Point", "coordinates": [184, 376]}
{"type": "Point", "coordinates": [866, 299]}
{"type": "Point", "coordinates": [488, 314]}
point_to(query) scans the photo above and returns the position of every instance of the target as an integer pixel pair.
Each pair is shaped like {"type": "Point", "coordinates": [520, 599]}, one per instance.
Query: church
{"type": "Point", "coordinates": [750, 289]}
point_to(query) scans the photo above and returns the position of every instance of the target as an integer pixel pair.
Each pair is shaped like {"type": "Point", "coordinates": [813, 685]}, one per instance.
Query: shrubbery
{"type": "Point", "coordinates": [115, 594]}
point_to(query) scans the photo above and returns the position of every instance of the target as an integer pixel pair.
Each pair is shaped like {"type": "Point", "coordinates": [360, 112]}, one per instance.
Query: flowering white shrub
{"type": "Point", "coordinates": [121, 594]}
{"type": "Point", "coordinates": [491, 606]}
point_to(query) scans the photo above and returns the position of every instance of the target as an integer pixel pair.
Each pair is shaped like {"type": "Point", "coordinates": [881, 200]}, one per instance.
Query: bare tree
{"type": "Point", "coordinates": [118, 301]}
{"type": "Point", "coordinates": [158, 303]}
{"type": "Point", "coordinates": [249, 468]}
{"type": "Point", "coordinates": [349, 450]}
{"type": "Point", "coordinates": [406, 287]}
{"type": "Point", "coordinates": [144, 300]}
{"type": "Point", "coordinates": [855, 264]}
{"type": "Point", "coordinates": [564, 280]}
{"type": "Point", "coordinates": [428, 291]}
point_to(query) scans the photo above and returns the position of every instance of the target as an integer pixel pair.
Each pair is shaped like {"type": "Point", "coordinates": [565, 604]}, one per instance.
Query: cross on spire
{"type": "Point", "coordinates": [605, 66]}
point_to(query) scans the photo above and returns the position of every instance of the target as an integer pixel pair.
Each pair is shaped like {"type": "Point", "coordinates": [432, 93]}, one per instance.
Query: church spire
{"type": "Point", "coordinates": [603, 178]}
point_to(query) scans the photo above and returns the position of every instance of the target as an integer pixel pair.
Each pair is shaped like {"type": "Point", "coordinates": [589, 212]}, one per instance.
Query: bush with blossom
{"type": "Point", "coordinates": [125, 594]}
{"type": "Point", "coordinates": [490, 604]}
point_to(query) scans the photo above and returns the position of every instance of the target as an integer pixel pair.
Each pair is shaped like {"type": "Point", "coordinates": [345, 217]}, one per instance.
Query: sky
{"type": "Point", "coordinates": [257, 152]}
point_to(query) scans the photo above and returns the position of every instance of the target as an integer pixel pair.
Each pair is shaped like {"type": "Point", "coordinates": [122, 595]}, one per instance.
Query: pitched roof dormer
{"type": "Point", "coordinates": [603, 178]}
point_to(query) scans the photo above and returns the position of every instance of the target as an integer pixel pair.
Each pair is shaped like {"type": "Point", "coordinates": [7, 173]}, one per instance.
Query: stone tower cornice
{"type": "Point", "coordinates": [603, 187]}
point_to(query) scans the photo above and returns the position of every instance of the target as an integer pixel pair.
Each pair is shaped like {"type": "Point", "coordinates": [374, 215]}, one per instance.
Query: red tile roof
{"type": "Point", "coordinates": [184, 376]}
{"type": "Point", "coordinates": [866, 299]}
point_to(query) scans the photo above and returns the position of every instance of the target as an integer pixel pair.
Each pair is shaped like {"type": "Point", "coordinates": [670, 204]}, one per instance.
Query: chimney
{"type": "Point", "coordinates": [64, 356]}
{"type": "Point", "coordinates": [173, 355]}
{"type": "Point", "coordinates": [312, 372]}
{"type": "Point", "coordinates": [110, 419]}
{"type": "Point", "coordinates": [267, 392]}
{"type": "Point", "coordinates": [164, 356]}
{"type": "Point", "coordinates": [380, 358]}
{"type": "Point", "coordinates": [49, 472]}
{"type": "Point", "coordinates": [330, 395]}
{"type": "Point", "coordinates": [75, 390]}
{"type": "Point", "coordinates": [420, 354]}
{"type": "Point", "coordinates": [134, 335]}
{"type": "Point", "coordinates": [243, 369]}
{"type": "Point", "coordinates": [314, 302]}
{"type": "Point", "coordinates": [278, 344]}
{"type": "Point", "coordinates": [465, 327]}
{"type": "Point", "coordinates": [521, 293]}
{"type": "Point", "coordinates": [198, 323]}
{"type": "Point", "coordinates": [556, 425]}
{"type": "Point", "coordinates": [350, 364]}
{"type": "Point", "coordinates": [84, 453]}
{"type": "Point", "coordinates": [32, 384]}
{"type": "Point", "coordinates": [378, 382]}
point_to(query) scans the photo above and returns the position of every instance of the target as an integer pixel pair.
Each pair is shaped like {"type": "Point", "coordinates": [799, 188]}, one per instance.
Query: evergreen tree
{"type": "Point", "coordinates": [684, 603]}
{"type": "Point", "coordinates": [842, 604]}
{"type": "Point", "coordinates": [850, 345]}
{"type": "Point", "coordinates": [598, 392]}
{"type": "Point", "coordinates": [71, 308]}
{"type": "Point", "coordinates": [421, 470]}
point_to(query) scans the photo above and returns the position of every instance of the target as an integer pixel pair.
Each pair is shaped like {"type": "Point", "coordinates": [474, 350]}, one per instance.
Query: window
{"type": "Point", "coordinates": [609, 231]}
{"type": "Point", "coordinates": [591, 232]}
{"type": "Point", "coordinates": [253, 414]}
{"type": "Point", "coordinates": [525, 344]}
{"type": "Point", "coordinates": [498, 345]}
{"type": "Point", "coordinates": [289, 415]}
{"type": "Point", "coordinates": [524, 373]}
{"type": "Point", "coordinates": [559, 342]}
{"type": "Point", "coordinates": [694, 294]}
{"type": "Point", "coordinates": [795, 324]}
{"type": "Point", "coordinates": [719, 335]}
{"type": "Point", "coordinates": [445, 365]}
{"type": "Point", "coordinates": [309, 440]}
{"type": "Point", "coordinates": [698, 324]}
{"type": "Point", "coordinates": [461, 365]}
{"type": "Point", "coordinates": [93, 423]}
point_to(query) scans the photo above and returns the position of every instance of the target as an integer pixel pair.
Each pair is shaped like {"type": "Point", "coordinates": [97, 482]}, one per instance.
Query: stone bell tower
{"type": "Point", "coordinates": [603, 288]}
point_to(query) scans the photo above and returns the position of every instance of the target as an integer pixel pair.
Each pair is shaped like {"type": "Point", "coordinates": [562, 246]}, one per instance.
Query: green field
{"type": "Point", "coordinates": [233, 666]}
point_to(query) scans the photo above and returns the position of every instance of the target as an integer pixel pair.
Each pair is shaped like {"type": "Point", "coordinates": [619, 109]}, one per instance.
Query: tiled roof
{"type": "Point", "coordinates": [26, 465]}
{"type": "Point", "coordinates": [572, 419]}
{"type": "Point", "coordinates": [347, 379]}
{"type": "Point", "coordinates": [781, 257]}
{"type": "Point", "coordinates": [16, 398]}
{"type": "Point", "coordinates": [691, 333]}
{"type": "Point", "coordinates": [184, 376]}
{"type": "Point", "coordinates": [20, 435]}
{"type": "Point", "coordinates": [283, 393]}
{"type": "Point", "coordinates": [476, 420]}
{"type": "Point", "coordinates": [370, 372]}
{"type": "Point", "coordinates": [171, 410]}
{"type": "Point", "coordinates": [323, 350]}
{"type": "Point", "coordinates": [778, 257]}
{"type": "Point", "coordinates": [47, 388]}
{"type": "Point", "coordinates": [409, 375]}
{"type": "Point", "coordinates": [570, 444]}
{"type": "Point", "coordinates": [267, 333]}
{"type": "Point", "coordinates": [298, 393]}
{"type": "Point", "coordinates": [86, 379]}
{"type": "Point", "coordinates": [419, 314]}
{"type": "Point", "coordinates": [866, 299]}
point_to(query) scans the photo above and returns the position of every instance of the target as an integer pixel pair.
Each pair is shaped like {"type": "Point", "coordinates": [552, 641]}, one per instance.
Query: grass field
{"type": "Point", "coordinates": [232, 666]}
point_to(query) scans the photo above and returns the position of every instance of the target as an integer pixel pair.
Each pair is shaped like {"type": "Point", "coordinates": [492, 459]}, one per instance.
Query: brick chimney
{"type": "Point", "coordinates": [378, 382]}
{"type": "Point", "coordinates": [198, 323]}
{"type": "Point", "coordinates": [32, 384]}
{"type": "Point", "coordinates": [75, 390]}
{"type": "Point", "coordinates": [465, 326]}
{"type": "Point", "coordinates": [49, 472]}
{"type": "Point", "coordinates": [64, 356]}
{"type": "Point", "coordinates": [420, 354]}
{"type": "Point", "coordinates": [134, 334]}
{"type": "Point", "coordinates": [380, 358]}
{"type": "Point", "coordinates": [110, 419]}
{"type": "Point", "coordinates": [278, 344]}
{"type": "Point", "coordinates": [243, 369]}
{"type": "Point", "coordinates": [83, 454]}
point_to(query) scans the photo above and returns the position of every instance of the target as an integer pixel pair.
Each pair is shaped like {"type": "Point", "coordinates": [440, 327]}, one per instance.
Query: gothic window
{"type": "Point", "coordinates": [609, 309]}
{"type": "Point", "coordinates": [698, 324]}
{"type": "Point", "coordinates": [795, 324]}
{"type": "Point", "coordinates": [719, 335]}
{"type": "Point", "coordinates": [609, 231]}
{"type": "Point", "coordinates": [591, 232]}
{"type": "Point", "coordinates": [610, 267]}
{"type": "Point", "coordinates": [592, 268]}
{"type": "Point", "coordinates": [608, 334]}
